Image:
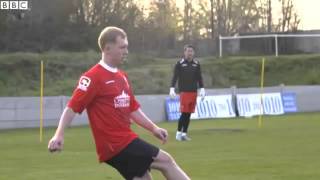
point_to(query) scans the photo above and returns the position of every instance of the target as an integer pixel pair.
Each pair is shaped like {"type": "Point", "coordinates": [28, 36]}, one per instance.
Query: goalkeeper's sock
{"type": "Point", "coordinates": [181, 122]}
{"type": "Point", "coordinates": [186, 122]}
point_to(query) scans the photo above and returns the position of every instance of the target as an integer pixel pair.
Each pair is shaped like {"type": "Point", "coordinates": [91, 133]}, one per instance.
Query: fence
{"type": "Point", "coordinates": [24, 112]}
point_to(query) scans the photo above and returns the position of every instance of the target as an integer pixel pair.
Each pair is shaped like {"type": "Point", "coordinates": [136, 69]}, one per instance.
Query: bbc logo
{"type": "Point", "coordinates": [14, 5]}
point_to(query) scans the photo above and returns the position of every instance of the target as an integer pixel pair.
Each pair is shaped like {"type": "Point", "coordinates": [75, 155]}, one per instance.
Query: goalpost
{"type": "Point", "coordinates": [274, 36]}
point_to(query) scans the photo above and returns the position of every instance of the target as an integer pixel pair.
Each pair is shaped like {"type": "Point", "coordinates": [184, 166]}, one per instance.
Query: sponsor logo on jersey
{"type": "Point", "coordinates": [122, 101]}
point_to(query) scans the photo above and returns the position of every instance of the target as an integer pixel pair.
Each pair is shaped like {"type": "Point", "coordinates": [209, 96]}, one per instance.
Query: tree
{"type": "Point", "coordinates": [187, 20]}
{"type": "Point", "coordinates": [269, 16]}
{"type": "Point", "coordinates": [289, 20]}
{"type": "Point", "coordinates": [73, 25]}
{"type": "Point", "coordinates": [162, 25]}
{"type": "Point", "coordinates": [212, 18]}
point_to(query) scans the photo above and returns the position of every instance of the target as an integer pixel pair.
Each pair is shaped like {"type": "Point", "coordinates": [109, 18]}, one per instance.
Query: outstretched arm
{"type": "Point", "coordinates": [56, 142]}
{"type": "Point", "coordinates": [142, 120]}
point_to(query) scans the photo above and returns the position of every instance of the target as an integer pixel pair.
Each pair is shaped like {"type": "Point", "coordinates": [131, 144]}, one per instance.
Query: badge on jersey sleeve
{"type": "Point", "coordinates": [84, 83]}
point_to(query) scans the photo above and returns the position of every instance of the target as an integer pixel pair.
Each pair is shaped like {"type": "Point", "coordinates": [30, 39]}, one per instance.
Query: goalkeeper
{"type": "Point", "coordinates": [188, 74]}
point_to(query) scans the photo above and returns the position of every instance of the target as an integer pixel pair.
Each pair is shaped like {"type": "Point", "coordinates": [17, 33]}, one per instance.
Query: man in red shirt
{"type": "Point", "coordinates": [104, 91]}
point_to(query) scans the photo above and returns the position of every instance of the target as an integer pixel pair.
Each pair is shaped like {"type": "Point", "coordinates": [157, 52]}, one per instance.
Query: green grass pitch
{"type": "Point", "coordinates": [285, 148]}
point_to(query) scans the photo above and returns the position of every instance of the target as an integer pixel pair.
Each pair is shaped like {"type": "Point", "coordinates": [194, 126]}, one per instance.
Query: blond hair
{"type": "Point", "coordinates": [109, 35]}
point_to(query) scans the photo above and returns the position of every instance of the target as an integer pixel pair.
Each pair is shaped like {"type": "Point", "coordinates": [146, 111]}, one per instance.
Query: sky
{"type": "Point", "coordinates": [308, 11]}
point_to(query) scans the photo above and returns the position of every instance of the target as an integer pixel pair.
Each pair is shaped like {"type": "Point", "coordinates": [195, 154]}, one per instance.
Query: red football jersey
{"type": "Point", "coordinates": [107, 96]}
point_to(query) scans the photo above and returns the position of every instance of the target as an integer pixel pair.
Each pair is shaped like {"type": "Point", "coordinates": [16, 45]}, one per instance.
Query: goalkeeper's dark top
{"type": "Point", "coordinates": [188, 75]}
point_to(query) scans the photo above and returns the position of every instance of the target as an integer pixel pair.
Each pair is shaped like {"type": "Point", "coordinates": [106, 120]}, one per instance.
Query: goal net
{"type": "Point", "coordinates": [269, 44]}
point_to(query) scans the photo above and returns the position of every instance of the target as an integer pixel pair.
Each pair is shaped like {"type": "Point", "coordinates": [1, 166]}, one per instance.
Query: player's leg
{"type": "Point", "coordinates": [186, 123]}
{"type": "Point", "coordinates": [182, 119]}
{"type": "Point", "coordinates": [189, 108]}
{"type": "Point", "coordinates": [182, 124]}
{"type": "Point", "coordinates": [168, 167]}
{"type": "Point", "coordinates": [135, 160]}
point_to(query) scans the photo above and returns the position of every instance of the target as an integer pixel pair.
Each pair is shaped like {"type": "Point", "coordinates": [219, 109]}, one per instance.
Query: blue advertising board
{"type": "Point", "coordinates": [219, 106]}
{"type": "Point", "coordinates": [289, 101]}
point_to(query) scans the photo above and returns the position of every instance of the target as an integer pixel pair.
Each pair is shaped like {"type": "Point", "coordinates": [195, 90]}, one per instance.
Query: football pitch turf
{"type": "Point", "coordinates": [285, 148]}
